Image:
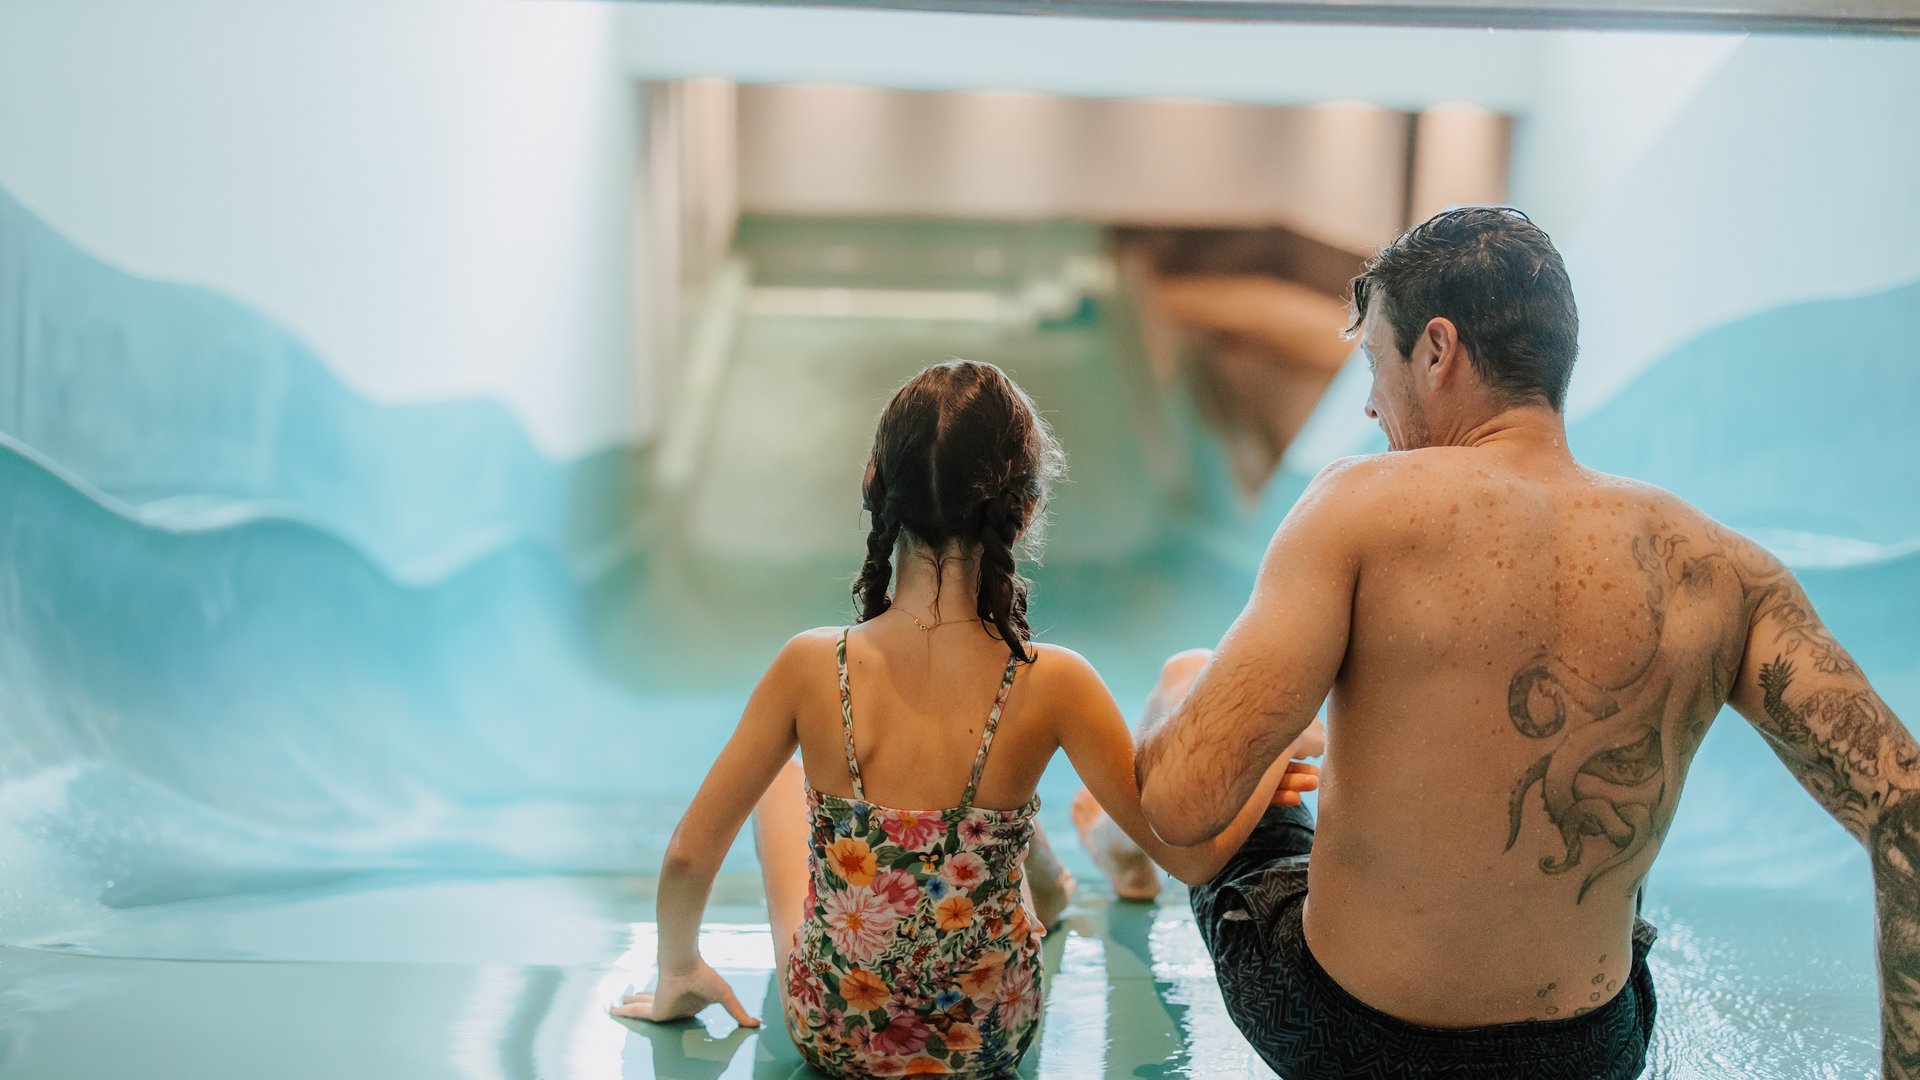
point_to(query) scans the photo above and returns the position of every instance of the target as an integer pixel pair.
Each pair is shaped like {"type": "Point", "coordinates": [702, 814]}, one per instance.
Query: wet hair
{"type": "Point", "coordinates": [1496, 275]}
{"type": "Point", "coordinates": [961, 454]}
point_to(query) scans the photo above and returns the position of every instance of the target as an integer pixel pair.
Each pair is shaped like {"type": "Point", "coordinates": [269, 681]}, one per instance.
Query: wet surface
{"type": "Point", "coordinates": [510, 978]}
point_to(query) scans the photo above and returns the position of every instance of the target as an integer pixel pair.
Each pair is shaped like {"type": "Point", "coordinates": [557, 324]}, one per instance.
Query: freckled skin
{"type": "Point", "coordinates": [1492, 797]}
{"type": "Point", "coordinates": [1423, 759]}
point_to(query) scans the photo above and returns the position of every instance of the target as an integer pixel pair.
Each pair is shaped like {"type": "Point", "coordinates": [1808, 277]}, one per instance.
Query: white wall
{"type": "Point", "coordinates": [1599, 103]}
{"type": "Point", "coordinates": [1789, 175]}
{"type": "Point", "coordinates": [435, 194]}
{"type": "Point", "coordinates": [1691, 181]}
{"type": "Point", "coordinates": [1274, 64]}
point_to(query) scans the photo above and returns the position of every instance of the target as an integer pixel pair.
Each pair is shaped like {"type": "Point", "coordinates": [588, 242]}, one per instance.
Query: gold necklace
{"type": "Point", "coordinates": [924, 628]}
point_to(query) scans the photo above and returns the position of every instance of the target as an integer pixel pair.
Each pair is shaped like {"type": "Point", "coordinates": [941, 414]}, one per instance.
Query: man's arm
{"type": "Point", "coordinates": [1269, 675]}
{"type": "Point", "coordinates": [1808, 698]}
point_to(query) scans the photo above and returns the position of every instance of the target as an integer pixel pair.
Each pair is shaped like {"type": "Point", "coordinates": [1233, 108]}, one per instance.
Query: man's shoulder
{"type": "Point", "coordinates": [1666, 512]}
{"type": "Point", "coordinates": [1369, 483]}
{"type": "Point", "coordinates": [1406, 468]}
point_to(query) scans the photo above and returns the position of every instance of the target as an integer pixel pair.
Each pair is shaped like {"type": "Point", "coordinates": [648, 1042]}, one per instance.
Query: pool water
{"type": "Point", "coordinates": [510, 977]}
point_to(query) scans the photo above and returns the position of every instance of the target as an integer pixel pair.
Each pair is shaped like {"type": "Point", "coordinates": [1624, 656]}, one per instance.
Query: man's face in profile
{"type": "Point", "coordinates": [1393, 403]}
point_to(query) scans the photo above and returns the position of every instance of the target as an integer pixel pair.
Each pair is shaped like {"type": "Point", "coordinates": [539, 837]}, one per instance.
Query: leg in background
{"type": "Point", "coordinates": [1049, 886]}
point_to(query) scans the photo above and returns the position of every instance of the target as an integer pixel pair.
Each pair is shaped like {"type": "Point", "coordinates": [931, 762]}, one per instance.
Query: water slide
{"type": "Point", "coordinates": [307, 700]}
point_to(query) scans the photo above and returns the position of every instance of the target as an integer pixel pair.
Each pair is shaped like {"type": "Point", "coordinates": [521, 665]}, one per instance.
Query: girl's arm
{"type": "Point", "coordinates": [747, 766]}
{"type": "Point", "coordinates": [1094, 734]}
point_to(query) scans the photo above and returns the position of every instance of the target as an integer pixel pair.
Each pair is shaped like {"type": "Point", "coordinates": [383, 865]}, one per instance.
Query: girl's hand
{"type": "Point", "coordinates": [1299, 777]}
{"type": "Point", "coordinates": [676, 996]}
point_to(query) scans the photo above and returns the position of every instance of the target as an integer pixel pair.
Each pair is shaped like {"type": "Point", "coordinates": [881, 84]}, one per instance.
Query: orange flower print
{"type": "Point", "coordinates": [961, 1038]}
{"type": "Point", "coordinates": [852, 860]}
{"type": "Point", "coordinates": [863, 990]}
{"type": "Point", "coordinates": [926, 1066]}
{"type": "Point", "coordinates": [984, 977]}
{"type": "Point", "coordinates": [954, 913]}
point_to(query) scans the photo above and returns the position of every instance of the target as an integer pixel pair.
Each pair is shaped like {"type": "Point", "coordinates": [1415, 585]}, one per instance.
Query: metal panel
{"type": "Point", "coordinates": [1779, 16]}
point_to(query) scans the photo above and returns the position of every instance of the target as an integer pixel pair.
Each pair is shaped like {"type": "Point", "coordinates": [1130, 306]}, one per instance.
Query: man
{"type": "Point", "coordinates": [1523, 656]}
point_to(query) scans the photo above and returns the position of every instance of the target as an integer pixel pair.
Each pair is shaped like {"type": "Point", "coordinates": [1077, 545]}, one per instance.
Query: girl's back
{"type": "Point", "coordinates": [915, 952]}
{"type": "Point", "coordinates": [920, 702]}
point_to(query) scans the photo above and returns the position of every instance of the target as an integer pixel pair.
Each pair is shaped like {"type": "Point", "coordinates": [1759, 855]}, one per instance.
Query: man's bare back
{"type": "Point", "coordinates": [1537, 650]}
{"type": "Point", "coordinates": [1520, 658]}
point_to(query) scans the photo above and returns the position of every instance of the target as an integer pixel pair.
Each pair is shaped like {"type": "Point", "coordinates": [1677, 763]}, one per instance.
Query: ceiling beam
{"type": "Point", "coordinates": [1725, 16]}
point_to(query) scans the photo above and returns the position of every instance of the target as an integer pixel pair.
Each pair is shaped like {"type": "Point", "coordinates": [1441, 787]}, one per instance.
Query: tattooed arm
{"type": "Point", "coordinates": [1815, 708]}
{"type": "Point", "coordinates": [1199, 768]}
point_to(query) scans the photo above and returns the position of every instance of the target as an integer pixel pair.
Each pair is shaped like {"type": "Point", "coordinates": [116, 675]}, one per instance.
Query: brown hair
{"type": "Point", "coordinates": [960, 454]}
{"type": "Point", "coordinates": [1493, 272]}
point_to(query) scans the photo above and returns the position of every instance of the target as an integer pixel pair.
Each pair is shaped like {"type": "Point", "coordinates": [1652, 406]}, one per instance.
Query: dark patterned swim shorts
{"type": "Point", "coordinates": [1308, 1028]}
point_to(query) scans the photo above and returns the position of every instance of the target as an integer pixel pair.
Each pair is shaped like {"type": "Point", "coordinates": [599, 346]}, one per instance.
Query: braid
{"type": "Point", "coordinates": [870, 588]}
{"type": "Point", "coordinates": [1003, 592]}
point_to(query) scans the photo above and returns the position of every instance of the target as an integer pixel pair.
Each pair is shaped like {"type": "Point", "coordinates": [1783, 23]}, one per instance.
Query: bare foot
{"type": "Point", "coordinates": [1049, 884]}
{"type": "Point", "coordinates": [1131, 873]}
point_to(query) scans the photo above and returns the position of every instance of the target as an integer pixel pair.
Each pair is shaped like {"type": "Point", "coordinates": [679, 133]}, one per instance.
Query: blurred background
{"type": "Point", "coordinates": [421, 421]}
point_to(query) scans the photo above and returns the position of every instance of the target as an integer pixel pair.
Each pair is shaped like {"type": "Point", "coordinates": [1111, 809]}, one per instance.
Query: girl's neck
{"type": "Point", "coordinates": [937, 588]}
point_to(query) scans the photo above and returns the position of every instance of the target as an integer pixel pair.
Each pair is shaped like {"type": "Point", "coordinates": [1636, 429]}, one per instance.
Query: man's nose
{"type": "Point", "coordinates": [1372, 413]}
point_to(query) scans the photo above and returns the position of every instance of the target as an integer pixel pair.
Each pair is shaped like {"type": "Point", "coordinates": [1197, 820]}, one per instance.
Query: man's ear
{"type": "Point", "coordinates": [1443, 356]}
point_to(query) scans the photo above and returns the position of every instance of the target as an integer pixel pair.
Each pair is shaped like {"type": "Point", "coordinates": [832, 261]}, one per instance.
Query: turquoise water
{"type": "Point", "coordinates": [342, 737]}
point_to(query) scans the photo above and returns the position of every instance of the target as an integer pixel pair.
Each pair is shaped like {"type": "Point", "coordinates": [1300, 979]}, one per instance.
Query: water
{"type": "Point", "coordinates": [339, 738]}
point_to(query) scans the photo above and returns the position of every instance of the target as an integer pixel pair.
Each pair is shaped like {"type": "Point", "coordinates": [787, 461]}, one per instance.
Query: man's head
{"type": "Point", "coordinates": [1464, 316]}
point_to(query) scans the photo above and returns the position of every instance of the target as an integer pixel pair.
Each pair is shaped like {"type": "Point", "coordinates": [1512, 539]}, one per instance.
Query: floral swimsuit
{"type": "Point", "coordinates": [916, 956]}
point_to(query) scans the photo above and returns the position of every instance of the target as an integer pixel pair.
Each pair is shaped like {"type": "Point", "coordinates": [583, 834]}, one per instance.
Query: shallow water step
{"type": "Point", "coordinates": [510, 978]}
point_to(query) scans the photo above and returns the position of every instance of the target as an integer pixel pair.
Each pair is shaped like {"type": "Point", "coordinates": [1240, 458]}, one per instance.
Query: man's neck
{"type": "Point", "coordinates": [1535, 427]}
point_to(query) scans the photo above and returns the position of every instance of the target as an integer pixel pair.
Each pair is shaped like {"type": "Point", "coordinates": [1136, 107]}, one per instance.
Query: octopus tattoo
{"type": "Point", "coordinates": [1611, 775]}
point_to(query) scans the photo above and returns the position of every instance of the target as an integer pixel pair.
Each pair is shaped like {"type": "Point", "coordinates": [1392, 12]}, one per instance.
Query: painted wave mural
{"type": "Point", "coordinates": [187, 408]}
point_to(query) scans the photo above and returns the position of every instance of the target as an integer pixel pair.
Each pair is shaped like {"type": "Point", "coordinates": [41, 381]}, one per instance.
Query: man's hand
{"type": "Point", "coordinates": [678, 995]}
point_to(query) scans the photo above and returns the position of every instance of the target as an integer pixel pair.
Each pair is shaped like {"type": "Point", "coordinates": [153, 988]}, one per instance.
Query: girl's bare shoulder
{"type": "Point", "coordinates": [805, 655]}
{"type": "Point", "coordinates": [1063, 676]}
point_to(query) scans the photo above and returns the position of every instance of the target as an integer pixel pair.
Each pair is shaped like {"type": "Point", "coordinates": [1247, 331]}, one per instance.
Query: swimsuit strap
{"type": "Point", "coordinates": [846, 718]}
{"type": "Point", "coordinates": [986, 737]}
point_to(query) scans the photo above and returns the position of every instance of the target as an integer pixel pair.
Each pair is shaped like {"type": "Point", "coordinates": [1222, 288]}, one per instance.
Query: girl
{"type": "Point", "coordinates": [893, 850]}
